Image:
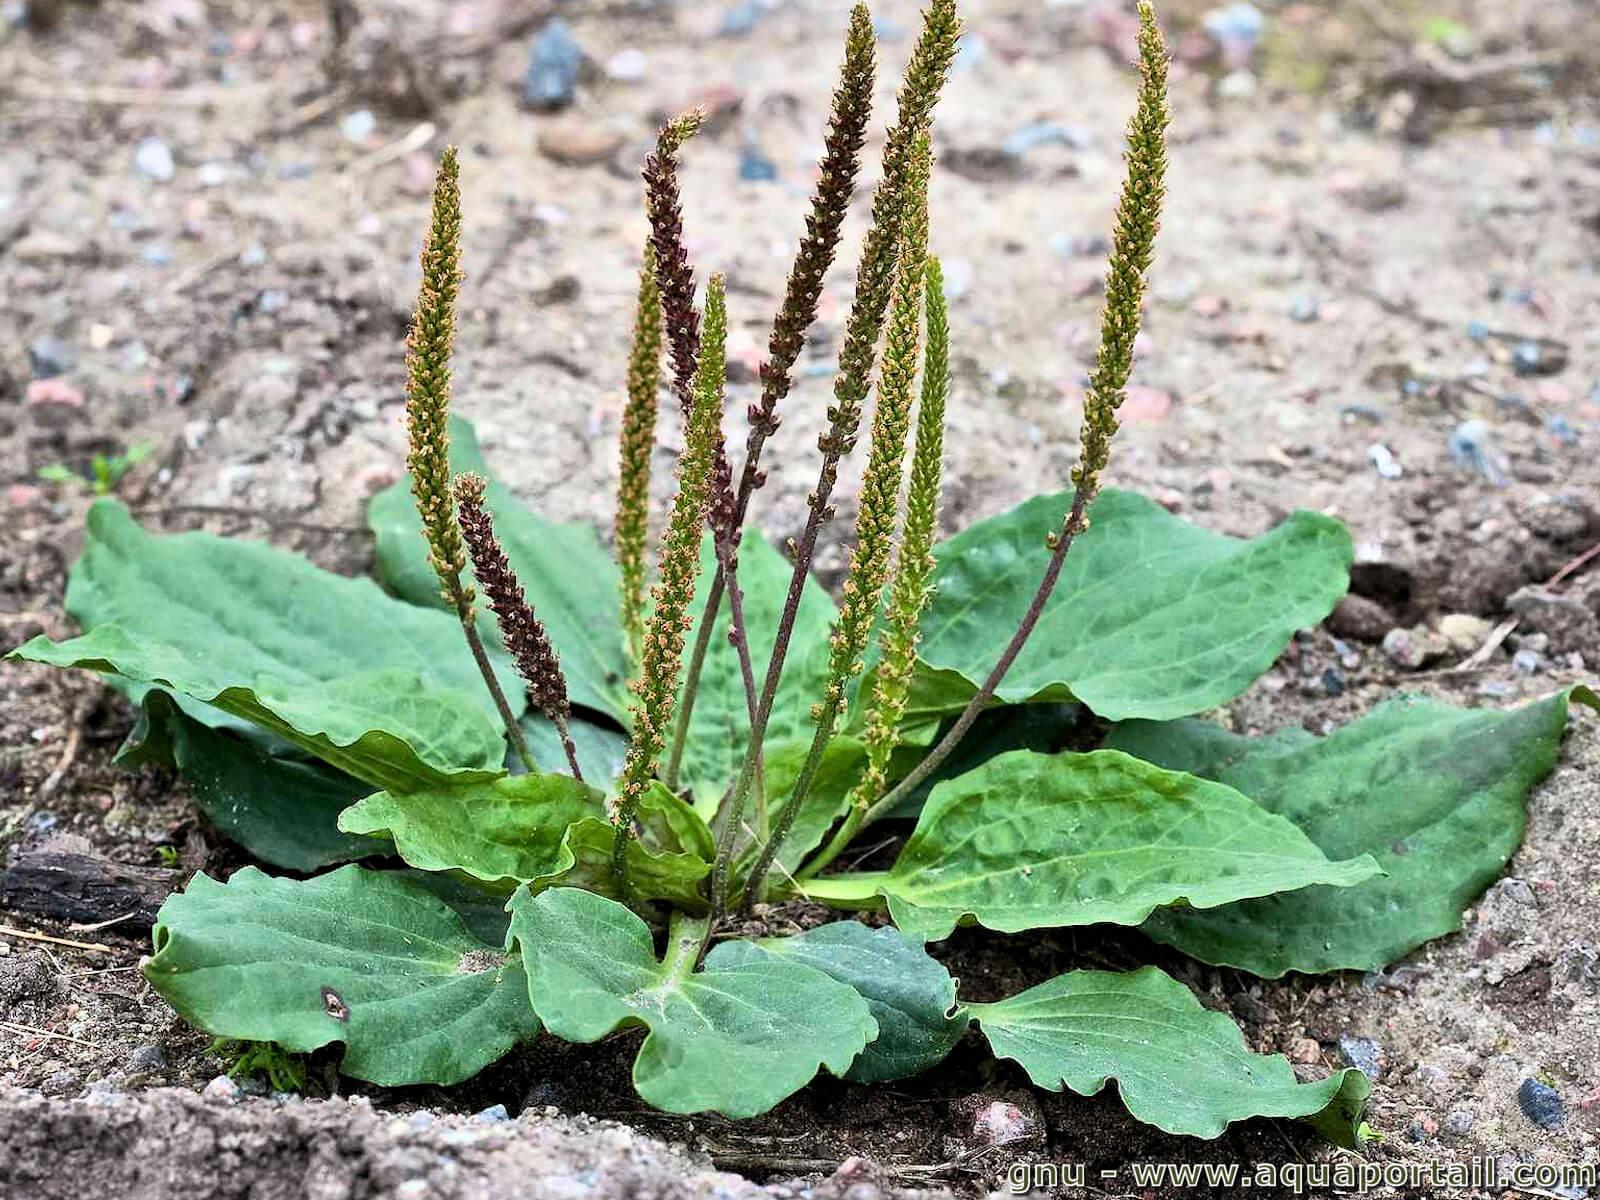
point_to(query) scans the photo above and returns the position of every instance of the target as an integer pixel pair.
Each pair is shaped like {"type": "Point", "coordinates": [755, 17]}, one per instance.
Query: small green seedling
{"type": "Point", "coordinates": [284, 1072]}
{"type": "Point", "coordinates": [105, 471]}
{"type": "Point", "coordinates": [604, 882]}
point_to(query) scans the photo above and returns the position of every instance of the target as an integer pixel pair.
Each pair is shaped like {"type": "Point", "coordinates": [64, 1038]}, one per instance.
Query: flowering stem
{"type": "Point", "coordinates": [911, 590]}
{"type": "Point", "coordinates": [1062, 542]}
{"type": "Point", "coordinates": [841, 162]}
{"type": "Point", "coordinates": [522, 632]}
{"type": "Point", "coordinates": [657, 682]}
{"type": "Point", "coordinates": [637, 440]}
{"type": "Point", "coordinates": [925, 76]}
{"type": "Point", "coordinates": [519, 744]}
{"type": "Point", "coordinates": [1132, 249]}
{"type": "Point", "coordinates": [428, 349]}
{"type": "Point", "coordinates": [880, 503]}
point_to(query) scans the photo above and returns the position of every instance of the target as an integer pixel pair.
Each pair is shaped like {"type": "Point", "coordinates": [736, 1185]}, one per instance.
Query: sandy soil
{"type": "Point", "coordinates": [1382, 246]}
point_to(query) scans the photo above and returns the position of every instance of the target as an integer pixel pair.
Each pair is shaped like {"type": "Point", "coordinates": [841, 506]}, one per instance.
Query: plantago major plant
{"type": "Point", "coordinates": [570, 824]}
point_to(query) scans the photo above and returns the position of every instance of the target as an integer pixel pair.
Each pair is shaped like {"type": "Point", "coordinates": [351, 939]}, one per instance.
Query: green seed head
{"type": "Point", "coordinates": [1132, 249]}
{"type": "Point", "coordinates": [428, 349]}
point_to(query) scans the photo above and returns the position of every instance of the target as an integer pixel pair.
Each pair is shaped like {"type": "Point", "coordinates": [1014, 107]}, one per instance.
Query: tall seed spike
{"type": "Point", "coordinates": [1133, 243]}
{"type": "Point", "coordinates": [521, 630]}
{"type": "Point", "coordinates": [637, 442]}
{"type": "Point", "coordinates": [1132, 249]}
{"type": "Point", "coordinates": [841, 160]}
{"type": "Point", "coordinates": [910, 591]}
{"type": "Point", "coordinates": [881, 486]}
{"type": "Point", "coordinates": [674, 275]}
{"type": "Point", "coordinates": [428, 349]}
{"type": "Point", "coordinates": [882, 480]}
{"type": "Point", "coordinates": [657, 682]}
{"type": "Point", "coordinates": [919, 93]}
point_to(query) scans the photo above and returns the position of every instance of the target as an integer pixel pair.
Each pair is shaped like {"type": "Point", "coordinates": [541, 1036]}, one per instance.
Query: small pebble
{"type": "Point", "coordinates": [1541, 1104]}
{"type": "Point", "coordinates": [741, 18]}
{"type": "Point", "coordinates": [1472, 446]}
{"type": "Point", "coordinates": [1561, 429]}
{"type": "Point", "coordinates": [577, 143]}
{"type": "Point", "coordinates": [1304, 310]}
{"type": "Point", "coordinates": [551, 81]}
{"type": "Point", "coordinates": [1384, 461]}
{"type": "Point", "coordinates": [1333, 681]}
{"type": "Point", "coordinates": [629, 65]}
{"type": "Point", "coordinates": [1237, 85]}
{"type": "Point", "coordinates": [1464, 631]}
{"type": "Point", "coordinates": [224, 1089]}
{"type": "Point", "coordinates": [1045, 133]}
{"type": "Point", "coordinates": [1526, 662]}
{"type": "Point", "coordinates": [1001, 1123]}
{"type": "Point", "coordinates": [49, 356]}
{"type": "Point", "coordinates": [1364, 1054]}
{"type": "Point", "coordinates": [492, 1115]}
{"type": "Point", "coordinates": [358, 126]}
{"type": "Point", "coordinates": [150, 1057]}
{"type": "Point", "coordinates": [1459, 1122]}
{"type": "Point", "coordinates": [26, 977]}
{"type": "Point", "coordinates": [1349, 656]}
{"type": "Point", "coordinates": [755, 166]}
{"type": "Point", "coordinates": [153, 159]}
{"type": "Point", "coordinates": [1360, 617]}
{"type": "Point", "coordinates": [1527, 359]}
{"type": "Point", "coordinates": [1422, 1128]}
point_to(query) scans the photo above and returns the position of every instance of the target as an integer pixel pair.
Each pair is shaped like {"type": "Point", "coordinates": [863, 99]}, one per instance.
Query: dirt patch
{"type": "Point", "coordinates": [1398, 332]}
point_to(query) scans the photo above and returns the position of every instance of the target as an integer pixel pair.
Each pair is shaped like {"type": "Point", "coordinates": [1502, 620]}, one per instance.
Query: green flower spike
{"type": "Point", "coordinates": [428, 349]}
{"type": "Point", "coordinates": [657, 682]}
{"type": "Point", "coordinates": [910, 591]}
{"type": "Point", "coordinates": [638, 439]}
{"type": "Point", "coordinates": [880, 498]}
{"type": "Point", "coordinates": [1132, 250]}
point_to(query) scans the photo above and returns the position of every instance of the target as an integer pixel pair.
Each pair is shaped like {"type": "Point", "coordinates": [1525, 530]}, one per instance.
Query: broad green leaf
{"type": "Point", "coordinates": [1043, 728]}
{"type": "Point", "coordinates": [600, 748]}
{"type": "Point", "coordinates": [502, 831]}
{"type": "Point", "coordinates": [1152, 616]}
{"type": "Point", "coordinates": [842, 763]}
{"type": "Point", "coordinates": [669, 859]}
{"type": "Point", "coordinates": [735, 1037]}
{"type": "Point", "coordinates": [542, 830]}
{"type": "Point", "coordinates": [719, 728]}
{"type": "Point", "coordinates": [1029, 841]}
{"type": "Point", "coordinates": [567, 575]}
{"type": "Point", "coordinates": [1436, 794]}
{"type": "Point", "coordinates": [912, 996]}
{"type": "Point", "coordinates": [362, 957]}
{"type": "Point", "coordinates": [382, 690]}
{"type": "Point", "coordinates": [283, 810]}
{"type": "Point", "coordinates": [673, 876]}
{"type": "Point", "coordinates": [1178, 1067]}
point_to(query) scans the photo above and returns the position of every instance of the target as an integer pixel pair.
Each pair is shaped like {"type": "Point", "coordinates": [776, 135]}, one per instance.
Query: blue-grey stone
{"type": "Point", "coordinates": [551, 81]}
{"type": "Point", "coordinates": [1541, 1104]}
{"type": "Point", "coordinates": [1364, 1054]}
